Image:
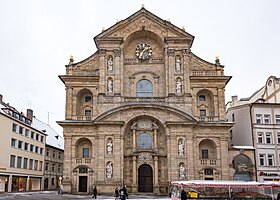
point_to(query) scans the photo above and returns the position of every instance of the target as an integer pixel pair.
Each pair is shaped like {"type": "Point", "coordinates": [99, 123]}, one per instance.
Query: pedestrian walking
{"type": "Point", "coordinates": [183, 195]}
{"type": "Point", "coordinates": [94, 192]}
{"type": "Point", "coordinates": [122, 194]}
{"type": "Point", "coordinates": [117, 193]}
{"type": "Point", "coordinates": [60, 189]}
{"type": "Point", "coordinates": [125, 192]}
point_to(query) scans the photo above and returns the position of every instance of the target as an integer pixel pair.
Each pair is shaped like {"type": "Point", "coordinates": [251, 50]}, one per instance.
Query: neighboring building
{"type": "Point", "coordinates": [257, 124]}
{"type": "Point", "coordinates": [53, 170]}
{"type": "Point", "coordinates": [143, 110]}
{"type": "Point", "coordinates": [22, 151]}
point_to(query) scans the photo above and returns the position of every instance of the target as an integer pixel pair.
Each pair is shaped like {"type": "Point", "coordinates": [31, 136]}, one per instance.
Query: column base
{"type": "Point", "coordinates": [156, 189]}
{"type": "Point", "coordinates": [134, 188]}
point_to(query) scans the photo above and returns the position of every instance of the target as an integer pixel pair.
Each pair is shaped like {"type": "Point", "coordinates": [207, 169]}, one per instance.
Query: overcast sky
{"type": "Point", "coordinates": [37, 38]}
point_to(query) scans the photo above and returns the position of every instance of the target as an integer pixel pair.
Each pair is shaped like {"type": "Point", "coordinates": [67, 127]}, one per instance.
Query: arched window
{"type": "Point", "coordinates": [144, 88]}
{"type": "Point", "coordinates": [145, 141]}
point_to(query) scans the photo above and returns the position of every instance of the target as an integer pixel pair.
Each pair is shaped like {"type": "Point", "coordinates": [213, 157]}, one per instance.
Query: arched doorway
{"type": "Point", "coordinates": [145, 178]}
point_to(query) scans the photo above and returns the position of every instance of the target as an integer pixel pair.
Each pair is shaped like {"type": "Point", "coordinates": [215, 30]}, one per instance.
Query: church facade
{"type": "Point", "coordinates": [143, 111]}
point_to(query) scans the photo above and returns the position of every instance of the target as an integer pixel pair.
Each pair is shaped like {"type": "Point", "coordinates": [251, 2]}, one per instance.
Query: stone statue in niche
{"type": "Point", "coordinates": [178, 63]}
{"type": "Point", "coordinates": [181, 147]}
{"type": "Point", "coordinates": [110, 86]}
{"type": "Point", "coordinates": [109, 170]}
{"type": "Point", "coordinates": [110, 64]}
{"type": "Point", "coordinates": [109, 148]}
{"type": "Point", "coordinates": [178, 86]}
{"type": "Point", "coordinates": [182, 172]}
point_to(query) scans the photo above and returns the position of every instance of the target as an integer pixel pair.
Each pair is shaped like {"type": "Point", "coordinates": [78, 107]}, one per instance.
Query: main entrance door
{"type": "Point", "coordinates": [145, 178]}
{"type": "Point", "coordinates": [82, 183]}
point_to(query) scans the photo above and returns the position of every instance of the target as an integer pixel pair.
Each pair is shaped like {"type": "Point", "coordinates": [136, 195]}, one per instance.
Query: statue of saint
{"type": "Point", "coordinates": [110, 64]}
{"type": "Point", "coordinates": [109, 148]}
{"type": "Point", "coordinates": [178, 63]}
{"type": "Point", "coordinates": [178, 86]}
{"type": "Point", "coordinates": [182, 173]}
{"type": "Point", "coordinates": [181, 147]}
{"type": "Point", "coordinates": [110, 85]}
{"type": "Point", "coordinates": [109, 170]}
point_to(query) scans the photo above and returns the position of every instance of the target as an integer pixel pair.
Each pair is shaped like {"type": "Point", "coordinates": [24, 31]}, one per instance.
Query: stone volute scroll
{"type": "Point", "coordinates": [109, 147]}
{"type": "Point", "coordinates": [109, 170]}
{"type": "Point", "coordinates": [110, 63]}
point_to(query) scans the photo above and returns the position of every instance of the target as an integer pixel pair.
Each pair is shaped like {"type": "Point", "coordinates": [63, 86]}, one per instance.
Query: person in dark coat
{"type": "Point", "coordinates": [183, 195]}
{"type": "Point", "coordinates": [278, 196]}
{"type": "Point", "coordinates": [94, 192]}
{"type": "Point", "coordinates": [116, 193]}
{"type": "Point", "coordinates": [122, 194]}
{"type": "Point", "coordinates": [125, 192]}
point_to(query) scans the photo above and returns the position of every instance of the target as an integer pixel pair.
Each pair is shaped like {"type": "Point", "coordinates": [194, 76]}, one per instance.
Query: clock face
{"type": "Point", "coordinates": [143, 51]}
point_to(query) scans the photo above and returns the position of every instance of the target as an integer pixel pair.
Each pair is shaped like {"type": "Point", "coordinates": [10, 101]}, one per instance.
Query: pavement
{"type": "Point", "coordinates": [45, 195]}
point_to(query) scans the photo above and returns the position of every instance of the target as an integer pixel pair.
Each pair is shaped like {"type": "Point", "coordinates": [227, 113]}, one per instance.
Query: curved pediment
{"type": "Point", "coordinates": [143, 20]}
{"type": "Point", "coordinates": [161, 112]}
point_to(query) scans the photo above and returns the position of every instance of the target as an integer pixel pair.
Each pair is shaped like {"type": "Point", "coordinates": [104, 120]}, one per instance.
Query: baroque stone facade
{"type": "Point", "coordinates": [143, 111]}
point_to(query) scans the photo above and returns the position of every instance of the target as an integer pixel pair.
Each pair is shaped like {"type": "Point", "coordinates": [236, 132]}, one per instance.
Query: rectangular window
{"type": "Point", "coordinates": [48, 152]}
{"type": "Point", "coordinates": [54, 154]}
{"type": "Point", "coordinates": [268, 138]}
{"type": "Point", "coordinates": [13, 142]}
{"type": "Point", "coordinates": [26, 146]}
{"type": "Point", "coordinates": [12, 161]}
{"type": "Point", "coordinates": [20, 144]}
{"type": "Point", "coordinates": [202, 112]}
{"type": "Point", "coordinates": [260, 138]}
{"type": "Point", "coordinates": [278, 137]}
{"type": "Point", "coordinates": [53, 167]}
{"type": "Point", "coordinates": [36, 149]}
{"type": "Point", "coordinates": [52, 181]}
{"type": "Point", "coordinates": [262, 159]}
{"type": "Point", "coordinates": [277, 119]}
{"type": "Point", "coordinates": [85, 152]}
{"type": "Point", "coordinates": [59, 168]}
{"type": "Point", "coordinates": [19, 160]}
{"type": "Point", "coordinates": [40, 165]}
{"type": "Point", "coordinates": [267, 119]}
{"type": "Point", "coordinates": [41, 151]}
{"type": "Point", "coordinates": [87, 112]}
{"type": "Point", "coordinates": [42, 138]}
{"type": "Point", "coordinates": [36, 165]}
{"type": "Point", "coordinates": [37, 136]}
{"type": "Point", "coordinates": [47, 167]}
{"type": "Point", "coordinates": [59, 155]}
{"type": "Point", "coordinates": [32, 134]}
{"type": "Point", "coordinates": [30, 164]}
{"type": "Point", "coordinates": [31, 147]}
{"type": "Point", "coordinates": [270, 160]}
{"type": "Point", "coordinates": [258, 119]}
{"type": "Point", "coordinates": [233, 117]}
{"type": "Point", "coordinates": [204, 154]}
{"type": "Point", "coordinates": [15, 127]}
{"type": "Point", "coordinates": [20, 130]}
{"type": "Point", "coordinates": [27, 132]}
{"type": "Point", "coordinates": [25, 161]}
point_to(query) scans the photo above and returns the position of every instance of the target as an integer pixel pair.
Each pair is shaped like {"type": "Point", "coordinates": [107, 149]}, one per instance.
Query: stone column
{"type": "Point", "coordinates": [10, 183]}
{"type": "Point", "coordinates": [117, 67]}
{"type": "Point", "coordinates": [68, 107]}
{"type": "Point", "coordinates": [67, 170]}
{"type": "Point", "coordinates": [134, 139]}
{"type": "Point", "coordinates": [170, 67]}
{"type": "Point", "coordinates": [156, 186]}
{"type": "Point", "coordinates": [134, 172]}
{"type": "Point", "coordinates": [155, 139]}
{"type": "Point", "coordinates": [27, 183]}
{"type": "Point", "coordinates": [186, 70]}
{"type": "Point", "coordinates": [103, 66]}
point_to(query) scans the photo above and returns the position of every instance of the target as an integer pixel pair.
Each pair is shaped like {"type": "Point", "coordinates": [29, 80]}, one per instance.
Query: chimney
{"type": "Point", "coordinates": [234, 100]}
{"type": "Point", "coordinates": [29, 114]}
{"type": "Point", "coordinates": [1, 98]}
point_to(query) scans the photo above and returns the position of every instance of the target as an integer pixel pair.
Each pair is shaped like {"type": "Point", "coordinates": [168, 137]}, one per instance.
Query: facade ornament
{"type": "Point", "coordinates": [102, 52]}
{"type": "Point", "coordinates": [117, 52]}
{"type": "Point", "coordinates": [110, 86]}
{"type": "Point", "coordinates": [110, 63]}
{"type": "Point", "coordinates": [170, 52]}
{"type": "Point", "coordinates": [185, 51]}
{"type": "Point", "coordinates": [178, 63]}
{"type": "Point", "coordinates": [145, 156]}
{"type": "Point", "coordinates": [181, 148]}
{"type": "Point", "coordinates": [144, 124]}
{"type": "Point", "coordinates": [178, 87]}
{"type": "Point", "coordinates": [109, 170]}
{"type": "Point", "coordinates": [182, 172]}
{"type": "Point", "coordinates": [217, 60]}
{"type": "Point", "coordinates": [109, 147]}
{"type": "Point", "coordinates": [71, 60]}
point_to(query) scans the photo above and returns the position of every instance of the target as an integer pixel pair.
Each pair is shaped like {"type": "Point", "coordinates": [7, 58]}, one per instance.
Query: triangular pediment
{"type": "Point", "coordinates": [143, 20]}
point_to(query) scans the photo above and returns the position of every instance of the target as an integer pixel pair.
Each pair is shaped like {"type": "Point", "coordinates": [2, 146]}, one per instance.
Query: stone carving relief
{"type": "Point", "coordinates": [178, 86]}
{"type": "Point", "coordinates": [145, 156]}
{"type": "Point", "coordinates": [178, 63]}
{"type": "Point", "coordinates": [144, 124]}
{"type": "Point", "coordinates": [110, 86]}
{"type": "Point", "coordinates": [110, 63]}
{"type": "Point", "coordinates": [181, 148]}
{"type": "Point", "coordinates": [109, 147]}
{"type": "Point", "coordinates": [182, 172]}
{"type": "Point", "coordinates": [109, 170]}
